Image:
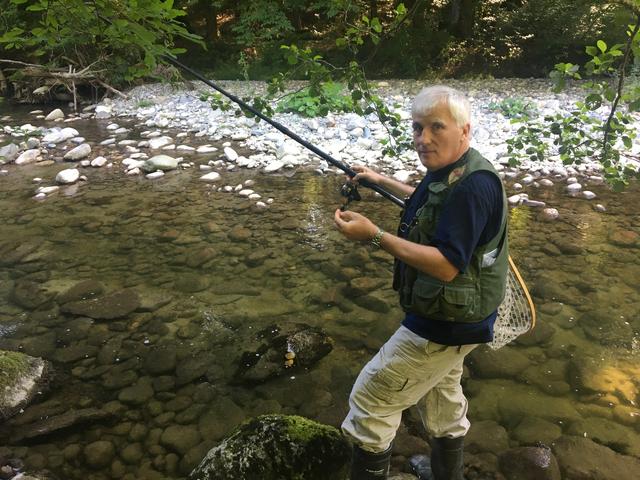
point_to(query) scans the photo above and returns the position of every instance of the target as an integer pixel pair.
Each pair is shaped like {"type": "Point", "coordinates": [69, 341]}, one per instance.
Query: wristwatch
{"type": "Point", "coordinates": [375, 240]}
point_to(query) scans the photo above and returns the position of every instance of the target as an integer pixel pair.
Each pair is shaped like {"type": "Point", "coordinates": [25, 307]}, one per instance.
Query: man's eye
{"type": "Point", "coordinates": [417, 127]}
{"type": "Point", "coordinates": [437, 126]}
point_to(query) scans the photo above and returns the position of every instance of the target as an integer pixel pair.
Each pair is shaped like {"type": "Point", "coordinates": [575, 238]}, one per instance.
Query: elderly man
{"type": "Point", "coordinates": [451, 263]}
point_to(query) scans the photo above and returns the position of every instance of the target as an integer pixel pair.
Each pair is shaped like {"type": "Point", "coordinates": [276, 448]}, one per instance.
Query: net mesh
{"type": "Point", "coordinates": [515, 314]}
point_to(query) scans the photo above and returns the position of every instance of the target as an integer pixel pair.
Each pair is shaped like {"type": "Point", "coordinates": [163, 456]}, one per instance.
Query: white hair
{"type": "Point", "coordinates": [455, 101]}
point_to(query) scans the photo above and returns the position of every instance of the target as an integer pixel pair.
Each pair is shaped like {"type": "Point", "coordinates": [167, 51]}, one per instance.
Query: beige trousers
{"type": "Point", "coordinates": [408, 370]}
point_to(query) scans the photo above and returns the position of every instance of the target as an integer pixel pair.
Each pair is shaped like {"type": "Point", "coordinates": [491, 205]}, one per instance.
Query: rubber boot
{"type": "Point", "coordinates": [368, 465]}
{"type": "Point", "coordinates": [446, 461]}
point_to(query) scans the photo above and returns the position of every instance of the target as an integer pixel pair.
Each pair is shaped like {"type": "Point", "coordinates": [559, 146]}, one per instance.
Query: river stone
{"type": "Point", "coordinates": [617, 437]}
{"type": "Point", "coordinates": [28, 156]}
{"type": "Point", "coordinates": [78, 153]}
{"type": "Point", "coordinates": [549, 214]}
{"type": "Point", "coordinates": [159, 142]}
{"type": "Point", "coordinates": [21, 378]}
{"type": "Point", "coordinates": [230, 154]}
{"type": "Point", "coordinates": [583, 459]}
{"type": "Point", "coordinates": [68, 176]}
{"type": "Point", "coordinates": [274, 447]}
{"type": "Point", "coordinates": [597, 375]}
{"type": "Point", "coordinates": [83, 290]}
{"type": "Point", "coordinates": [362, 285]}
{"type": "Point", "coordinates": [114, 305]}
{"type": "Point", "coordinates": [222, 417]}
{"type": "Point", "coordinates": [191, 283]}
{"type": "Point", "coordinates": [624, 238]}
{"type": "Point", "coordinates": [605, 326]}
{"type": "Point", "coordinates": [309, 344]}
{"type": "Point", "coordinates": [29, 295]}
{"type": "Point", "coordinates": [192, 368]}
{"type": "Point", "coordinates": [210, 177]}
{"type": "Point", "coordinates": [132, 453]}
{"type": "Point", "coordinates": [200, 256]}
{"type": "Point", "coordinates": [487, 436]}
{"type": "Point", "coordinates": [533, 431]}
{"type": "Point", "coordinates": [502, 363]}
{"type": "Point", "coordinates": [99, 455]}
{"type": "Point", "coordinates": [541, 334]}
{"type": "Point", "coordinates": [179, 438]}
{"type": "Point", "coordinates": [138, 394]}
{"type": "Point", "coordinates": [160, 162]}
{"type": "Point", "coordinates": [55, 423]}
{"type": "Point", "coordinates": [513, 408]}
{"type": "Point", "coordinates": [529, 463]}
{"type": "Point", "coordinates": [55, 114]}
{"type": "Point", "coordinates": [160, 360]}
{"type": "Point", "coordinates": [8, 153]}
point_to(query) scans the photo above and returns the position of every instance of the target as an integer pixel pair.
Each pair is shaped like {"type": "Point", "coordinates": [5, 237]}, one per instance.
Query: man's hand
{"type": "Point", "coordinates": [367, 174]}
{"type": "Point", "coordinates": [354, 226]}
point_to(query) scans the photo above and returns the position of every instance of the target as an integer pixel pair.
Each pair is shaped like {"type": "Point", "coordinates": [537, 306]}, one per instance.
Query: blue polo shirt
{"type": "Point", "coordinates": [471, 217]}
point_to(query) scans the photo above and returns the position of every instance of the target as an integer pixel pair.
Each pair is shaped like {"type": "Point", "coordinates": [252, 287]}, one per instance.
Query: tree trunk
{"type": "Point", "coordinates": [3, 83]}
{"type": "Point", "coordinates": [462, 16]}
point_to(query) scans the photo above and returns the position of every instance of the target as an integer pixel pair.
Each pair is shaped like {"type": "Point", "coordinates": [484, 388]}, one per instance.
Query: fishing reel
{"type": "Point", "coordinates": [350, 192]}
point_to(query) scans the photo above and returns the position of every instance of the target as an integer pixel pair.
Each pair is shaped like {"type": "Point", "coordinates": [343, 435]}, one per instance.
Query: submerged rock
{"type": "Point", "coordinates": [529, 463]}
{"type": "Point", "coordinates": [307, 344]}
{"type": "Point", "coordinates": [114, 305]}
{"type": "Point", "coordinates": [582, 458]}
{"type": "Point", "coordinates": [274, 447]}
{"type": "Point", "coordinates": [55, 423]}
{"type": "Point", "coordinates": [21, 378]}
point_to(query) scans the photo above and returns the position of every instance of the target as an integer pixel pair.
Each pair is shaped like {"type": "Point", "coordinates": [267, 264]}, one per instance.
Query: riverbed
{"type": "Point", "coordinates": [218, 276]}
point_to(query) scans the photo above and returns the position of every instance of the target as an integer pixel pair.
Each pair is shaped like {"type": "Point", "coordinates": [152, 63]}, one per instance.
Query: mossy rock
{"type": "Point", "coordinates": [278, 447]}
{"type": "Point", "coordinates": [21, 377]}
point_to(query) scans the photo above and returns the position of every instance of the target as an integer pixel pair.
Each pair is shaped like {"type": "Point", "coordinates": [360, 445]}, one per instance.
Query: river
{"type": "Point", "coordinates": [217, 277]}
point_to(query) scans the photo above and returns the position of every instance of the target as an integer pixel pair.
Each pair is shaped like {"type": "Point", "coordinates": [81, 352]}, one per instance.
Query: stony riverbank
{"type": "Point", "coordinates": [177, 129]}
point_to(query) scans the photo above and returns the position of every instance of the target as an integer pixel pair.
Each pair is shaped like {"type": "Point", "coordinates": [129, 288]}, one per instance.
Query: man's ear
{"type": "Point", "coordinates": [466, 131]}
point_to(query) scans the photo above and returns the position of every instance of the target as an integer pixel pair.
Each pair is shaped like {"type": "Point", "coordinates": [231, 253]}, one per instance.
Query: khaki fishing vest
{"type": "Point", "coordinates": [473, 295]}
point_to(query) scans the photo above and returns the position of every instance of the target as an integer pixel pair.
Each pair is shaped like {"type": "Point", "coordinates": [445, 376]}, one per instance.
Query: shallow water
{"type": "Point", "coordinates": [218, 276]}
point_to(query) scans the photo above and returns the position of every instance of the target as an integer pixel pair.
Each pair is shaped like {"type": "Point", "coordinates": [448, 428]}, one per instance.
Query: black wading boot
{"type": "Point", "coordinates": [368, 465]}
{"type": "Point", "coordinates": [446, 462]}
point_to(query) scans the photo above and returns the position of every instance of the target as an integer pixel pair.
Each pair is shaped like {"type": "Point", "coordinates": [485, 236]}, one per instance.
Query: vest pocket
{"type": "Point", "coordinates": [458, 302]}
{"type": "Point", "coordinates": [425, 297]}
{"type": "Point", "coordinates": [441, 301]}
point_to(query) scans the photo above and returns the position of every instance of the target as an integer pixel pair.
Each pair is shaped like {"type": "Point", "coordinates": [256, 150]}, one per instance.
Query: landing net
{"type": "Point", "coordinates": [516, 313]}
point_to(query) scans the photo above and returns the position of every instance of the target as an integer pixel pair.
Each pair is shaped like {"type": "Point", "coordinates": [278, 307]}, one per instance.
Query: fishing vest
{"type": "Point", "coordinates": [473, 295]}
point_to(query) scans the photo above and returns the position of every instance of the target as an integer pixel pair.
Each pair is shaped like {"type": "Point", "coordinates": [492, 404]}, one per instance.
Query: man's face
{"type": "Point", "coordinates": [437, 138]}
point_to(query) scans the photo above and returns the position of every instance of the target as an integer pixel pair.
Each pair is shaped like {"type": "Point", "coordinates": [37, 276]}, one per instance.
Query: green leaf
{"type": "Point", "coordinates": [627, 142]}
{"type": "Point", "coordinates": [593, 51]}
{"type": "Point", "coordinates": [602, 45]}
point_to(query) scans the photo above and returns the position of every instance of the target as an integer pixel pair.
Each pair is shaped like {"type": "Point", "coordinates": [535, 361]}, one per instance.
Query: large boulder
{"type": "Point", "coordinates": [21, 378]}
{"type": "Point", "coordinates": [274, 447]}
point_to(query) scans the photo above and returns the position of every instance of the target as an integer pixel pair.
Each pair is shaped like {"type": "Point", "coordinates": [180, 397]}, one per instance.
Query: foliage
{"type": "Point", "coordinates": [595, 127]}
{"type": "Point", "coordinates": [514, 108]}
{"type": "Point", "coordinates": [260, 21]}
{"type": "Point", "coordinates": [305, 102]}
{"type": "Point", "coordinates": [121, 40]}
{"type": "Point", "coordinates": [322, 95]}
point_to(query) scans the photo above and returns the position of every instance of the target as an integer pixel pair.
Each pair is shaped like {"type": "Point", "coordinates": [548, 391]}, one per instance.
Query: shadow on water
{"type": "Point", "coordinates": [211, 271]}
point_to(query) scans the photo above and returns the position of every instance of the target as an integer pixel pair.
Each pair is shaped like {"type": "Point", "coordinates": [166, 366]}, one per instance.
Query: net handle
{"type": "Point", "coordinates": [523, 285]}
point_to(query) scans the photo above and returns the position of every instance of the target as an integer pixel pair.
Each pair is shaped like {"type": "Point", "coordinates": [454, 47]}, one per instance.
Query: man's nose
{"type": "Point", "coordinates": [424, 137]}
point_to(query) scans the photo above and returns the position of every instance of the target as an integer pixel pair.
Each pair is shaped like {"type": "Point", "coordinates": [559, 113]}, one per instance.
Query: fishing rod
{"type": "Point", "coordinates": [348, 190]}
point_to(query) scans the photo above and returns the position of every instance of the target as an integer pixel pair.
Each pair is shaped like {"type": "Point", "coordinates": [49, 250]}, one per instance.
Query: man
{"type": "Point", "coordinates": [450, 271]}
